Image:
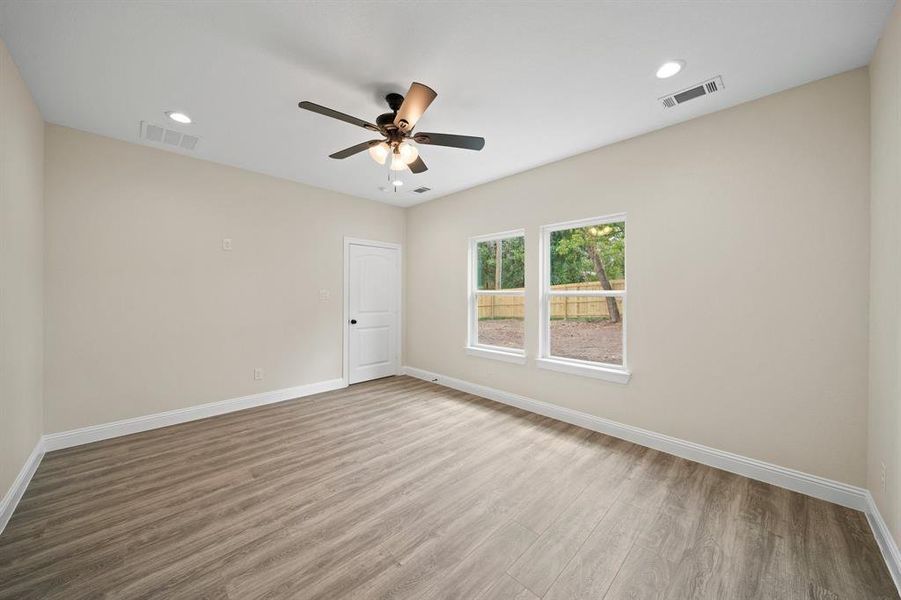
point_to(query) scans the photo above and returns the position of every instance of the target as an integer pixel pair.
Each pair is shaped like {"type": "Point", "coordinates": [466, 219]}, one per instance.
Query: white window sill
{"type": "Point", "coordinates": [574, 368]}
{"type": "Point", "coordinates": [518, 358]}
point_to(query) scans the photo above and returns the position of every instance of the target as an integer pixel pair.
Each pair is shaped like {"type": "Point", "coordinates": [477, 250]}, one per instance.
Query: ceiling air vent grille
{"type": "Point", "coordinates": [704, 88]}
{"type": "Point", "coordinates": [422, 190]}
{"type": "Point", "coordinates": [168, 137]}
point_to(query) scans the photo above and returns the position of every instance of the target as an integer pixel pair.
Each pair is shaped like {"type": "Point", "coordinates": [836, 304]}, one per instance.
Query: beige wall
{"type": "Point", "coordinates": [144, 310]}
{"type": "Point", "coordinates": [885, 274]}
{"type": "Point", "coordinates": [748, 277]}
{"type": "Point", "coordinates": [21, 268]}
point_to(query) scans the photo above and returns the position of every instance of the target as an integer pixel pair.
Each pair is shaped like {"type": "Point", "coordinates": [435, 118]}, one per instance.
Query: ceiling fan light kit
{"type": "Point", "coordinates": [396, 128]}
{"type": "Point", "coordinates": [408, 152]}
{"type": "Point", "coordinates": [379, 151]}
{"type": "Point", "coordinates": [397, 163]}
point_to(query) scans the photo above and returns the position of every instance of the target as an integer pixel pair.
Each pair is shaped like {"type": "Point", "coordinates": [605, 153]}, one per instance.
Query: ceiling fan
{"type": "Point", "coordinates": [396, 127]}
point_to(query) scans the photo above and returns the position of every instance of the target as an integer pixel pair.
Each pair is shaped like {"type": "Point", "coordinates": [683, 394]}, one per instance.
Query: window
{"type": "Point", "coordinates": [497, 296]}
{"type": "Point", "coordinates": [583, 298]}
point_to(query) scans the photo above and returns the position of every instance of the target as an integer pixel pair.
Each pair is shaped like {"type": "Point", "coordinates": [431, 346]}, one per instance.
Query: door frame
{"type": "Point", "coordinates": [399, 321]}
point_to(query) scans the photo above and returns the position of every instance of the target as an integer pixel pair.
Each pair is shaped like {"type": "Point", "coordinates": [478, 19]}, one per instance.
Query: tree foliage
{"type": "Point", "coordinates": [512, 255]}
{"type": "Point", "coordinates": [580, 255]}
{"type": "Point", "coordinates": [586, 254]}
{"type": "Point", "coordinates": [571, 260]}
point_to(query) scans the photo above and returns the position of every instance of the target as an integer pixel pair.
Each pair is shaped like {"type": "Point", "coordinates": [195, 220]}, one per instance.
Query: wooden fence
{"type": "Point", "coordinates": [566, 307]}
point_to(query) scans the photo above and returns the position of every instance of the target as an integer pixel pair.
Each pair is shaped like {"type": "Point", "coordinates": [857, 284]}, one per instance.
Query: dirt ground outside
{"type": "Point", "coordinates": [598, 341]}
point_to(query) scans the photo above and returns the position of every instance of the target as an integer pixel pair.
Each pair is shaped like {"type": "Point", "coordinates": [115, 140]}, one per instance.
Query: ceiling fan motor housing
{"type": "Point", "coordinates": [385, 120]}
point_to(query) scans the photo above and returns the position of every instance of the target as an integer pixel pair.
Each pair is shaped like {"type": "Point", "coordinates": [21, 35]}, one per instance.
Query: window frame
{"type": "Point", "coordinates": [545, 360]}
{"type": "Point", "coordinates": [473, 347]}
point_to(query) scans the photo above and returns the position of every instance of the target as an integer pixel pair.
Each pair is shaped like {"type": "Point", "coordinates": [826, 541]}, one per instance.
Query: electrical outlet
{"type": "Point", "coordinates": [258, 374]}
{"type": "Point", "coordinates": [882, 476]}
{"type": "Point", "coordinates": [324, 295]}
{"type": "Point", "coordinates": [227, 244]}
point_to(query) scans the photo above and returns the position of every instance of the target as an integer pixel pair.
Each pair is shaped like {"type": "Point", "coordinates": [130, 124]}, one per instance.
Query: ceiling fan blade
{"type": "Point", "coordinates": [415, 102]}
{"type": "Point", "coordinates": [417, 166]}
{"type": "Point", "coordinates": [328, 112]}
{"type": "Point", "coordinates": [467, 142]}
{"type": "Point", "coordinates": [353, 149]}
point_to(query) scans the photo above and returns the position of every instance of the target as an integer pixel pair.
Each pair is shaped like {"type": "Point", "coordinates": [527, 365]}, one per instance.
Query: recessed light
{"type": "Point", "coordinates": [670, 68]}
{"type": "Point", "coordinates": [179, 117]}
{"type": "Point", "coordinates": [397, 183]}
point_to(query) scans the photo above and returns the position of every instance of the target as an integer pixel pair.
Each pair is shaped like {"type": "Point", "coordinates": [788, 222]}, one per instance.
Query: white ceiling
{"type": "Point", "coordinates": [539, 80]}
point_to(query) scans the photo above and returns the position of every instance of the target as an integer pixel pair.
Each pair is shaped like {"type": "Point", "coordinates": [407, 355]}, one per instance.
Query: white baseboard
{"type": "Point", "coordinates": [885, 539]}
{"type": "Point", "coordinates": [17, 489]}
{"type": "Point", "coordinates": [797, 481]}
{"type": "Point", "coordinates": [95, 433]}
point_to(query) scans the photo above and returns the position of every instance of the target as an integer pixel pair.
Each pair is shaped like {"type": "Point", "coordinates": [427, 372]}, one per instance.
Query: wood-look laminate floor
{"type": "Point", "coordinates": [399, 488]}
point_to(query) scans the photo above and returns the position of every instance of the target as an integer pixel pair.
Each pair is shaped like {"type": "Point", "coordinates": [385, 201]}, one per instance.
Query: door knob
{"type": "Point", "coordinates": [353, 321]}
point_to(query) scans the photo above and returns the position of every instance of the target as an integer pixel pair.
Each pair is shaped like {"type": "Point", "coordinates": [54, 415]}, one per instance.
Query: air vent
{"type": "Point", "coordinates": [702, 89]}
{"type": "Point", "coordinates": [189, 142]}
{"type": "Point", "coordinates": [422, 190]}
{"type": "Point", "coordinates": [168, 137]}
{"type": "Point", "coordinates": [154, 133]}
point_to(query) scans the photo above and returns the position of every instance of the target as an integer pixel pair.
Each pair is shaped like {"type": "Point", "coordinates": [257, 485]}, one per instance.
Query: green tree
{"type": "Point", "coordinates": [509, 271]}
{"type": "Point", "coordinates": [587, 254]}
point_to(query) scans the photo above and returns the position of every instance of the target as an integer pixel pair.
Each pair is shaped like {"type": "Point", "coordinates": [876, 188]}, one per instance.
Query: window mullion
{"type": "Point", "coordinates": [588, 293]}
{"type": "Point", "coordinates": [516, 292]}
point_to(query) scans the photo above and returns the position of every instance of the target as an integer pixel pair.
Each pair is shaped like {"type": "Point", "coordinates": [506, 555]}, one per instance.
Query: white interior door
{"type": "Point", "coordinates": [373, 308]}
